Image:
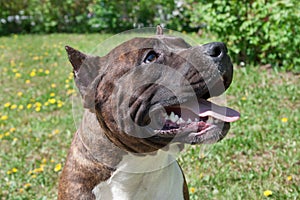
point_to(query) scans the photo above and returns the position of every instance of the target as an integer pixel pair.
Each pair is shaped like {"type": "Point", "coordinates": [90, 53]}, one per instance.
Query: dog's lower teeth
{"type": "Point", "coordinates": [210, 120]}
{"type": "Point", "coordinates": [189, 121]}
{"type": "Point", "coordinates": [180, 121]}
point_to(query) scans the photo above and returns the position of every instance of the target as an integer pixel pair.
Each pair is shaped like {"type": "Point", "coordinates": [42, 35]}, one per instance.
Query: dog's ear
{"type": "Point", "coordinates": [85, 69]}
{"type": "Point", "coordinates": [159, 30]}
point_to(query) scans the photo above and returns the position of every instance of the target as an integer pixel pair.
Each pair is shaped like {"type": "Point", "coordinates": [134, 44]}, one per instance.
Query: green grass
{"type": "Point", "coordinates": [260, 153]}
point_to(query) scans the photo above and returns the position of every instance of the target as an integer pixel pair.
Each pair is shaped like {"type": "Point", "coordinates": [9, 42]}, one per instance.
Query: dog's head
{"type": "Point", "coordinates": [148, 92]}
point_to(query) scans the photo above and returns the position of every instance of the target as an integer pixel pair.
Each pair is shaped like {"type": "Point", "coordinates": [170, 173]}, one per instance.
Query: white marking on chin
{"type": "Point", "coordinates": [153, 177]}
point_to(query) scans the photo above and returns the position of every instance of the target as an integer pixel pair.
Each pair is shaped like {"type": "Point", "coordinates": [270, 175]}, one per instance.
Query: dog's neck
{"type": "Point", "coordinates": [143, 177]}
{"type": "Point", "coordinates": [136, 176]}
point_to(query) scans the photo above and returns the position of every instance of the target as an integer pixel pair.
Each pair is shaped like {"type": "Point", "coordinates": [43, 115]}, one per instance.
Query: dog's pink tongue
{"type": "Point", "coordinates": [206, 108]}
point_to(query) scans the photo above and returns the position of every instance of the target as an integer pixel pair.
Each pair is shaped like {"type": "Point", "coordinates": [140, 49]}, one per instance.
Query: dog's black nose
{"type": "Point", "coordinates": [216, 50]}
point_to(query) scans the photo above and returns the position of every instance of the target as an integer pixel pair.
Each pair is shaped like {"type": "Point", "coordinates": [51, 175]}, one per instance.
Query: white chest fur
{"type": "Point", "coordinates": [148, 178]}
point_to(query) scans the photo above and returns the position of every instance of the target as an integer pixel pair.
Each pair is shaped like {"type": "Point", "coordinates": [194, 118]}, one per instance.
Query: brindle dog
{"type": "Point", "coordinates": [144, 98]}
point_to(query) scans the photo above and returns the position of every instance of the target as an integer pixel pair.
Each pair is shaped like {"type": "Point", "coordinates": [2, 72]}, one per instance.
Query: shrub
{"type": "Point", "coordinates": [257, 32]}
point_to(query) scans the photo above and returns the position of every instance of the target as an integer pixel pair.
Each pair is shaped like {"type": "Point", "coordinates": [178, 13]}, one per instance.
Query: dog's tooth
{"type": "Point", "coordinates": [180, 121]}
{"type": "Point", "coordinates": [196, 119]}
{"type": "Point", "coordinates": [210, 120]}
{"type": "Point", "coordinates": [176, 118]}
{"type": "Point", "coordinates": [172, 117]}
{"type": "Point", "coordinates": [189, 121]}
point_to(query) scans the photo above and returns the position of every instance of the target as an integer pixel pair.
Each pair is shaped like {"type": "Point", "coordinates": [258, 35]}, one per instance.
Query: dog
{"type": "Point", "coordinates": [145, 98]}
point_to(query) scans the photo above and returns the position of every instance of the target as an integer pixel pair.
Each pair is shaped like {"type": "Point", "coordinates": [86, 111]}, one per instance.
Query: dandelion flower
{"type": "Point", "coordinates": [57, 167]}
{"type": "Point", "coordinates": [18, 75]}
{"type": "Point", "coordinates": [32, 74]}
{"type": "Point", "coordinates": [19, 94]}
{"type": "Point", "coordinates": [52, 94]}
{"type": "Point", "coordinates": [267, 193]}
{"type": "Point", "coordinates": [192, 190]}
{"type": "Point", "coordinates": [47, 71]}
{"type": "Point", "coordinates": [27, 81]}
{"type": "Point", "coordinates": [27, 185]}
{"type": "Point", "coordinates": [6, 105]}
{"type": "Point", "coordinates": [14, 106]}
{"type": "Point", "coordinates": [52, 101]}
{"type": "Point", "coordinates": [284, 119]}
{"type": "Point", "coordinates": [14, 170]}
{"type": "Point", "coordinates": [4, 117]}
{"type": "Point", "coordinates": [53, 85]}
{"type": "Point", "coordinates": [29, 106]}
{"type": "Point", "coordinates": [38, 109]}
{"type": "Point", "coordinates": [289, 178]}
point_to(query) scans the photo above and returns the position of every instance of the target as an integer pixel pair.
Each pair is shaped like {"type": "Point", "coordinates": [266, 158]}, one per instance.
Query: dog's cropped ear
{"type": "Point", "coordinates": [85, 69]}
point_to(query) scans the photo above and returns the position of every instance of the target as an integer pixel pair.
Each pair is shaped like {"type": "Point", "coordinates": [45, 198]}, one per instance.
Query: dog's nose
{"type": "Point", "coordinates": [218, 53]}
{"type": "Point", "coordinates": [216, 50]}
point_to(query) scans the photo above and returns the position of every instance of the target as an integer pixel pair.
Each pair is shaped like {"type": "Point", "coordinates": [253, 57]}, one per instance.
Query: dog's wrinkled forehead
{"type": "Point", "coordinates": [160, 42]}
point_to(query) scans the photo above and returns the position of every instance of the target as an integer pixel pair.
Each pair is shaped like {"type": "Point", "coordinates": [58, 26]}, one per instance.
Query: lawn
{"type": "Point", "coordinates": [259, 158]}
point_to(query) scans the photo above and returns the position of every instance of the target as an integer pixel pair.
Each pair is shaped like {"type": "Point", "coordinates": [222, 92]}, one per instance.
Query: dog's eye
{"type": "Point", "coordinates": [151, 57]}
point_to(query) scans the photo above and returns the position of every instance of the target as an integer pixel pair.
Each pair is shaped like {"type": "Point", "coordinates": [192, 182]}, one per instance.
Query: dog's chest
{"type": "Point", "coordinates": [164, 183]}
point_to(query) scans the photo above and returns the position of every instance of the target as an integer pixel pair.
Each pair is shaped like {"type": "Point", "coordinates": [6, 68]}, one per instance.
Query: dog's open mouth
{"type": "Point", "coordinates": [192, 122]}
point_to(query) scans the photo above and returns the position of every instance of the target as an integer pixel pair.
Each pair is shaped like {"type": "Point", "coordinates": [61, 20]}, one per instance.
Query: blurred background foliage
{"type": "Point", "coordinates": [258, 32]}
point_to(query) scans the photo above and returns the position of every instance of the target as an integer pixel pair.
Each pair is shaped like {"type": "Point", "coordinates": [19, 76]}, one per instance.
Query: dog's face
{"type": "Point", "coordinates": [148, 92]}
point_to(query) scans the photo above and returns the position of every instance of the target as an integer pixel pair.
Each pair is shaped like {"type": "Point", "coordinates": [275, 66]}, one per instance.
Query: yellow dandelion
{"type": "Point", "coordinates": [14, 106]}
{"type": "Point", "coordinates": [21, 190]}
{"type": "Point", "coordinates": [267, 193]}
{"type": "Point", "coordinates": [18, 75]}
{"type": "Point", "coordinates": [52, 101]}
{"type": "Point", "coordinates": [38, 104]}
{"type": "Point", "coordinates": [67, 86]}
{"type": "Point", "coordinates": [289, 178]}
{"type": "Point", "coordinates": [59, 105]}
{"type": "Point", "coordinates": [46, 103]}
{"type": "Point", "coordinates": [38, 170]}
{"type": "Point", "coordinates": [70, 91]}
{"type": "Point", "coordinates": [44, 160]}
{"type": "Point", "coordinates": [9, 172]}
{"type": "Point", "coordinates": [284, 119]}
{"type": "Point", "coordinates": [32, 74]}
{"type": "Point", "coordinates": [7, 134]}
{"type": "Point", "coordinates": [38, 109]}
{"type": "Point", "coordinates": [52, 160]}
{"type": "Point", "coordinates": [6, 105]}
{"type": "Point", "coordinates": [14, 70]}
{"type": "Point", "coordinates": [12, 63]}
{"type": "Point", "coordinates": [57, 167]}
{"type": "Point", "coordinates": [35, 58]}
{"type": "Point", "coordinates": [244, 98]}
{"type": "Point", "coordinates": [12, 129]}
{"type": "Point", "coordinates": [14, 170]}
{"type": "Point", "coordinates": [27, 81]}
{"type": "Point", "coordinates": [1, 136]}
{"type": "Point", "coordinates": [27, 185]}
{"type": "Point", "coordinates": [21, 107]}
{"type": "Point", "coordinates": [47, 71]}
{"type": "Point", "coordinates": [41, 70]}
{"type": "Point", "coordinates": [4, 117]}
{"type": "Point", "coordinates": [56, 131]}
{"type": "Point", "coordinates": [33, 176]}
{"type": "Point", "coordinates": [19, 94]}
{"type": "Point", "coordinates": [15, 139]}
{"type": "Point", "coordinates": [192, 190]}
{"type": "Point", "coordinates": [53, 85]}
{"type": "Point", "coordinates": [52, 94]}
{"type": "Point", "coordinates": [67, 81]}
{"type": "Point", "coordinates": [29, 106]}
